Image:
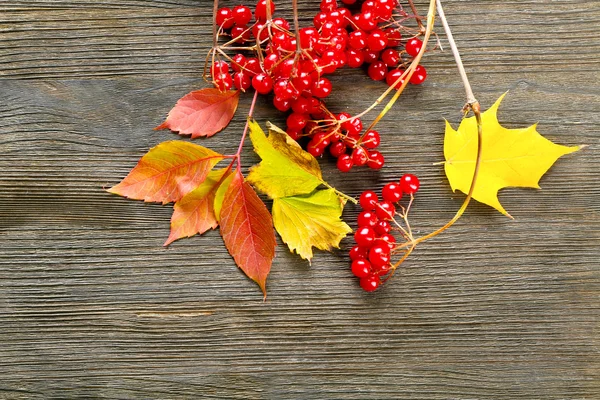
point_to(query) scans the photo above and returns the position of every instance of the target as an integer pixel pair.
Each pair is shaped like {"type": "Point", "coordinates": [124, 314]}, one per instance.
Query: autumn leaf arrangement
{"type": "Point", "coordinates": [253, 50]}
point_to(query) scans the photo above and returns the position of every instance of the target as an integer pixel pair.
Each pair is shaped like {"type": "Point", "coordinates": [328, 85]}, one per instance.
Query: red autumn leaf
{"type": "Point", "coordinates": [247, 229]}
{"type": "Point", "coordinates": [168, 172]}
{"type": "Point", "coordinates": [202, 112]}
{"type": "Point", "coordinates": [194, 213]}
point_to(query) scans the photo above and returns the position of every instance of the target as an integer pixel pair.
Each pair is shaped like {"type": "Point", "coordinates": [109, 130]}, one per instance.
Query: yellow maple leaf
{"type": "Point", "coordinates": [509, 157]}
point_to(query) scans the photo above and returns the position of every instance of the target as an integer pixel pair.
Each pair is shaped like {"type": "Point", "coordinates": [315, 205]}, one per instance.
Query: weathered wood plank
{"type": "Point", "coordinates": [92, 305]}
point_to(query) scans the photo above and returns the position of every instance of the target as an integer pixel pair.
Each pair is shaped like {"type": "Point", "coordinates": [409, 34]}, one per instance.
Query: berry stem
{"type": "Point", "coordinates": [340, 194]}
{"type": "Point", "coordinates": [296, 28]}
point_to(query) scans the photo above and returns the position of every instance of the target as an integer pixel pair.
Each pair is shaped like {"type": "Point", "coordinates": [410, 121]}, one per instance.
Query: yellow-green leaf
{"type": "Point", "coordinates": [509, 157]}
{"type": "Point", "coordinates": [311, 220]}
{"type": "Point", "coordinates": [285, 169]}
{"type": "Point", "coordinates": [220, 195]}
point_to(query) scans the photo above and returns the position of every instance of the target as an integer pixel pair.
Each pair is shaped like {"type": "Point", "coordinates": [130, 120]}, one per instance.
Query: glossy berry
{"type": "Point", "coordinates": [386, 239]}
{"type": "Point", "coordinates": [260, 12]}
{"type": "Point", "coordinates": [344, 163]}
{"type": "Point", "coordinates": [391, 192]}
{"type": "Point", "coordinates": [393, 76]}
{"type": "Point", "coordinates": [364, 236]}
{"type": "Point", "coordinates": [337, 149]}
{"type": "Point", "coordinates": [377, 40]}
{"type": "Point", "coordinates": [358, 253]}
{"type": "Point", "coordinates": [297, 121]}
{"type": "Point", "coordinates": [379, 255]}
{"type": "Point", "coordinates": [360, 156]}
{"type": "Point", "coordinates": [367, 218]}
{"type": "Point", "coordinates": [321, 88]}
{"type": "Point", "coordinates": [376, 160]}
{"type": "Point", "coordinates": [241, 34]}
{"type": "Point", "coordinates": [225, 18]}
{"type": "Point", "coordinates": [394, 37]}
{"type": "Point", "coordinates": [390, 57]}
{"type": "Point", "coordinates": [241, 15]}
{"type": "Point", "coordinates": [409, 183]}
{"type": "Point", "coordinates": [371, 139]}
{"type": "Point", "coordinates": [252, 66]}
{"type": "Point", "coordinates": [242, 81]}
{"type": "Point", "coordinates": [377, 71]}
{"type": "Point", "coordinates": [315, 148]}
{"type": "Point", "coordinates": [413, 47]}
{"type": "Point", "coordinates": [357, 40]}
{"type": "Point", "coordinates": [238, 62]}
{"type": "Point", "coordinates": [361, 268]}
{"type": "Point", "coordinates": [368, 200]}
{"type": "Point", "coordinates": [219, 67]}
{"type": "Point", "coordinates": [328, 5]}
{"type": "Point", "coordinates": [370, 56]}
{"type": "Point", "coordinates": [262, 83]}
{"type": "Point", "coordinates": [419, 75]}
{"type": "Point", "coordinates": [282, 105]}
{"type": "Point", "coordinates": [370, 283]}
{"type": "Point", "coordinates": [354, 58]}
{"type": "Point", "coordinates": [382, 228]}
{"type": "Point", "coordinates": [223, 82]}
{"type": "Point", "coordinates": [385, 210]}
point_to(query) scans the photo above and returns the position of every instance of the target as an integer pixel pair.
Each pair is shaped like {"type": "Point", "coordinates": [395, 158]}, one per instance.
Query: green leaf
{"type": "Point", "coordinates": [285, 170]}
{"type": "Point", "coordinates": [310, 221]}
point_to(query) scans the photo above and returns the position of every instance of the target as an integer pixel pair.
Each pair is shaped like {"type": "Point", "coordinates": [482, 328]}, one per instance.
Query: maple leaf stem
{"type": "Point", "coordinates": [472, 105]}
{"type": "Point", "coordinates": [340, 194]}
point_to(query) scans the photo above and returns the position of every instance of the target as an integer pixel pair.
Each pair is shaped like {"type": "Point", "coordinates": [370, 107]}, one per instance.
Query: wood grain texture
{"type": "Point", "coordinates": [92, 305]}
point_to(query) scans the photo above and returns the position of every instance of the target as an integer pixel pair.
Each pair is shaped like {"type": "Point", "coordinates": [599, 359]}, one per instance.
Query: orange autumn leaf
{"type": "Point", "coordinates": [247, 230]}
{"type": "Point", "coordinates": [168, 172]}
{"type": "Point", "coordinates": [202, 112]}
{"type": "Point", "coordinates": [194, 213]}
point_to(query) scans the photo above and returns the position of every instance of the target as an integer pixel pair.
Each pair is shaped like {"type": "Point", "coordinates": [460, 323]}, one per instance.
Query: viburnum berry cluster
{"type": "Point", "coordinates": [375, 241]}
{"type": "Point", "coordinates": [293, 64]}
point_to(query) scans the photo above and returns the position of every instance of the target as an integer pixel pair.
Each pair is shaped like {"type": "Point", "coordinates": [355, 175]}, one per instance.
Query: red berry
{"type": "Point", "coordinates": [328, 5]}
{"type": "Point", "coordinates": [337, 149]}
{"type": "Point", "coordinates": [394, 37]}
{"type": "Point", "coordinates": [262, 83]}
{"type": "Point", "coordinates": [358, 253]}
{"type": "Point", "coordinates": [370, 56]}
{"type": "Point", "coordinates": [308, 37]}
{"type": "Point", "coordinates": [382, 228]}
{"type": "Point", "coordinates": [219, 67]}
{"type": "Point", "coordinates": [390, 57]}
{"type": "Point", "coordinates": [379, 255]}
{"type": "Point", "coordinates": [368, 200]}
{"type": "Point", "coordinates": [282, 104]}
{"type": "Point", "coordinates": [260, 12]}
{"type": "Point", "coordinates": [238, 62]}
{"type": "Point", "coordinates": [377, 71]}
{"type": "Point", "coordinates": [344, 163]}
{"type": "Point", "coordinates": [386, 239]}
{"type": "Point", "coordinates": [281, 23]}
{"type": "Point", "coordinates": [371, 139]}
{"type": "Point", "coordinates": [315, 148]}
{"type": "Point", "coordinates": [225, 18]}
{"type": "Point", "coordinates": [377, 40]}
{"type": "Point", "coordinates": [319, 19]}
{"type": "Point", "coordinates": [366, 21]}
{"type": "Point", "coordinates": [354, 58]}
{"type": "Point", "coordinates": [385, 210]}
{"type": "Point", "coordinates": [370, 283]}
{"type": "Point", "coordinates": [285, 68]}
{"type": "Point", "coordinates": [357, 40]}
{"type": "Point", "coordinates": [321, 88]}
{"type": "Point", "coordinates": [297, 121]}
{"type": "Point", "coordinates": [284, 89]}
{"type": "Point", "coordinates": [361, 268]}
{"type": "Point", "coordinates": [413, 46]}
{"type": "Point", "coordinates": [349, 2]}
{"type": "Point", "coordinates": [223, 82]}
{"type": "Point", "coordinates": [270, 62]}
{"type": "Point", "coordinates": [376, 160]}
{"type": "Point", "coordinates": [301, 105]}
{"type": "Point", "coordinates": [392, 192]}
{"type": "Point", "coordinates": [296, 135]}
{"type": "Point", "coordinates": [241, 15]}
{"type": "Point", "coordinates": [242, 81]}
{"type": "Point", "coordinates": [392, 76]}
{"type": "Point", "coordinates": [360, 156]}
{"type": "Point", "coordinates": [409, 183]}
{"type": "Point", "coordinates": [419, 75]}
{"type": "Point", "coordinates": [367, 218]}
{"type": "Point", "coordinates": [252, 66]}
{"type": "Point", "coordinates": [364, 236]}
{"type": "Point", "coordinates": [240, 33]}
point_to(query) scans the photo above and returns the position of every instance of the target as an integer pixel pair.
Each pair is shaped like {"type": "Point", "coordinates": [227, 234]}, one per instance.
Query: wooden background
{"type": "Point", "coordinates": [92, 305]}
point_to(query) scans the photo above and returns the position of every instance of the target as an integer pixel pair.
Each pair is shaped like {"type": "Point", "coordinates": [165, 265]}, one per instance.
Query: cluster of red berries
{"type": "Point", "coordinates": [294, 68]}
{"type": "Point", "coordinates": [371, 256]}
